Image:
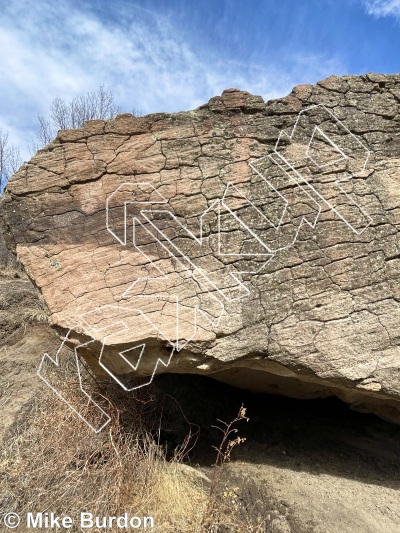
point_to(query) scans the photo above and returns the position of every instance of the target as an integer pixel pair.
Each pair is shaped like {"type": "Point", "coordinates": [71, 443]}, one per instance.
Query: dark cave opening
{"type": "Point", "coordinates": [323, 434]}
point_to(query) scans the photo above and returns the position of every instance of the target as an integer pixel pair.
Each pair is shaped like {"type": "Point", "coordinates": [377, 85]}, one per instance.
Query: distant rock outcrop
{"type": "Point", "coordinates": [254, 242]}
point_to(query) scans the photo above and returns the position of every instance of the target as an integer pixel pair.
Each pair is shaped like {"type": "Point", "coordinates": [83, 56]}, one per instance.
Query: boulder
{"type": "Point", "coordinates": [254, 242]}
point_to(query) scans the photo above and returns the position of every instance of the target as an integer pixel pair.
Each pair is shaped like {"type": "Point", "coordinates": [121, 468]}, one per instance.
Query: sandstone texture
{"type": "Point", "coordinates": [255, 242]}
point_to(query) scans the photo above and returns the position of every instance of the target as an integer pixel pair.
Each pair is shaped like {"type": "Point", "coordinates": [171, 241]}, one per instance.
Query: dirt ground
{"type": "Point", "coordinates": [305, 467]}
{"type": "Point", "coordinates": [24, 336]}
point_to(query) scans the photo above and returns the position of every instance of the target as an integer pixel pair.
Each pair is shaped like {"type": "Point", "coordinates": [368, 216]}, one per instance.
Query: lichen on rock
{"type": "Point", "coordinates": [256, 242]}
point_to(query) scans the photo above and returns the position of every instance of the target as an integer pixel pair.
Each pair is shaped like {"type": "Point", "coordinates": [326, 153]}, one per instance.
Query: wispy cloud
{"type": "Point", "coordinates": [50, 49]}
{"type": "Point", "coordinates": [383, 8]}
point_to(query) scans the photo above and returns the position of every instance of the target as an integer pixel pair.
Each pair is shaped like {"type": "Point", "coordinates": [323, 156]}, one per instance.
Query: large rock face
{"type": "Point", "coordinates": [254, 242]}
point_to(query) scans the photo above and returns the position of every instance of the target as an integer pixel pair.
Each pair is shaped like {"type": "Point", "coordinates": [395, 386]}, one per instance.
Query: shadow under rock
{"type": "Point", "coordinates": [322, 436]}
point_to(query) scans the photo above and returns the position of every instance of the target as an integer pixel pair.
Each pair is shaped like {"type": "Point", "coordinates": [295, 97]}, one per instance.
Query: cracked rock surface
{"type": "Point", "coordinates": [256, 242]}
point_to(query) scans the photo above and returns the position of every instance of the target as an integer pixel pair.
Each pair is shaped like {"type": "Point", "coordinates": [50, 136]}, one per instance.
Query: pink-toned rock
{"type": "Point", "coordinates": [260, 271]}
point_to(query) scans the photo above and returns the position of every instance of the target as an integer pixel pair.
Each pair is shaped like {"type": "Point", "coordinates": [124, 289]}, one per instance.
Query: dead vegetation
{"type": "Point", "coordinates": [57, 463]}
{"type": "Point", "coordinates": [36, 313]}
{"type": "Point", "coordinates": [54, 462]}
{"type": "Point", "coordinates": [51, 461]}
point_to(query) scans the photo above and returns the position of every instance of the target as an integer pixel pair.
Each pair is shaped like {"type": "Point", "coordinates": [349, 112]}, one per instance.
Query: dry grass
{"type": "Point", "coordinates": [10, 268]}
{"type": "Point", "coordinates": [6, 392]}
{"type": "Point", "coordinates": [54, 462]}
{"type": "Point", "coordinates": [35, 313]}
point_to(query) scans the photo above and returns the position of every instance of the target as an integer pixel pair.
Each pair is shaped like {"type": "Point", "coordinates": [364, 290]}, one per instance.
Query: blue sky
{"type": "Point", "coordinates": [171, 55]}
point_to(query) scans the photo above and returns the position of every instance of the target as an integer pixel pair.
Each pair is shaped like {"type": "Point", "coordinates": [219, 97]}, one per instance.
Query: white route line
{"type": "Point", "coordinates": [56, 362]}
{"type": "Point", "coordinates": [125, 327]}
{"type": "Point", "coordinates": [303, 220]}
{"type": "Point", "coordinates": [338, 182]}
{"type": "Point", "coordinates": [127, 193]}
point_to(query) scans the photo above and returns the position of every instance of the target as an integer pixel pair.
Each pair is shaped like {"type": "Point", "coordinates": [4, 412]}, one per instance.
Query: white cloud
{"type": "Point", "coordinates": [50, 49]}
{"type": "Point", "coordinates": [383, 8]}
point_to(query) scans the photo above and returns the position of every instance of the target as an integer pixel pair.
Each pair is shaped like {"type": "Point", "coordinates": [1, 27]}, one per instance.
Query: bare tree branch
{"type": "Point", "coordinates": [14, 160]}
{"type": "Point", "coordinates": [97, 104]}
{"type": "Point", "coordinates": [10, 159]}
{"type": "Point", "coordinates": [94, 105]}
{"type": "Point", "coordinates": [45, 131]}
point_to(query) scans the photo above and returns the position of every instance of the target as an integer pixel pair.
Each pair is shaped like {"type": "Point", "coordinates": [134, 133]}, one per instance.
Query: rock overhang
{"type": "Point", "coordinates": [273, 266]}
